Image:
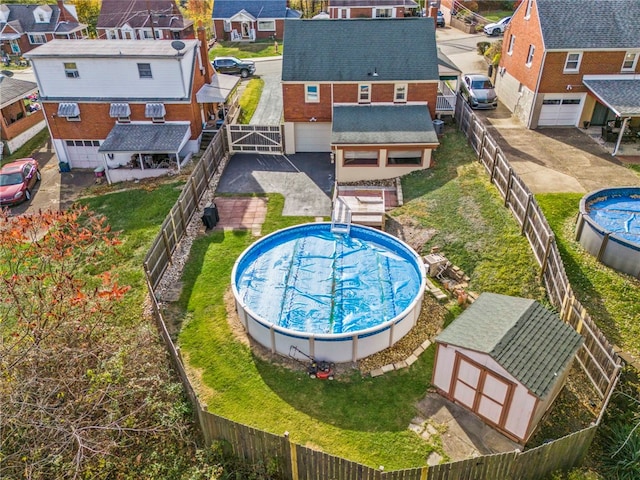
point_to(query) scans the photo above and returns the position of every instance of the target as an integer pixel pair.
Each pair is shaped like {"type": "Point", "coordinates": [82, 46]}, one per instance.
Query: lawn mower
{"type": "Point", "coordinates": [315, 369]}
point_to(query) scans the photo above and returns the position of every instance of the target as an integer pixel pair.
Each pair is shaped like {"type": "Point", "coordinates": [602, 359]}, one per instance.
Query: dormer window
{"type": "Point", "coordinates": [42, 14]}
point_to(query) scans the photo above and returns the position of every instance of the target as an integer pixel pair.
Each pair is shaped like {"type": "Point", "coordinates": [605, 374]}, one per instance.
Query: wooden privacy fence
{"type": "Point", "coordinates": [174, 226]}
{"type": "Point", "coordinates": [597, 357]}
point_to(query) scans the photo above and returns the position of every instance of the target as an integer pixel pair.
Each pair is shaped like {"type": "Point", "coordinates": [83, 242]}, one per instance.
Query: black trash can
{"type": "Point", "coordinates": [211, 216]}
{"type": "Point", "coordinates": [438, 126]}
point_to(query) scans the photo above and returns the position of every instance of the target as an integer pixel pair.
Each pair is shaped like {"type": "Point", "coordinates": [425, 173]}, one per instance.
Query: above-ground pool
{"type": "Point", "coordinates": [335, 296]}
{"type": "Point", "coordinates": [609, 227]}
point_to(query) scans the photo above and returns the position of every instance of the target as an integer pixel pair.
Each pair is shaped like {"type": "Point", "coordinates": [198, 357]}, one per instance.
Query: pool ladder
{"type": "Point", "coordinates": [340, 217]}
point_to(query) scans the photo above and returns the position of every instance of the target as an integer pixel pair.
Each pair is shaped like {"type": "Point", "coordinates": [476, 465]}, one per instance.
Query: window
{"type": "Point", "coordinates": [71, 70]}
{"type": "Point", "coordinates": [532, 50]}
{"type": "Point", "coordinates": [146, 34]}
{"type": "Point", "coordinates": [111, 34]}
{"type": "Point", "coordinates": [572, 64]}
{"type": "Point", "coordinates": [41, 18]}
{"type": "Point", "coordinates": [266, 25]}
{"type": "Point", "coordinates": [527, 12]}
{"type": "Point", "coordinates": [630, 62]}
{"type": "Point", "coordinates": [227, 25]}
{"type": "Point", "coordinates": [144, 70]}
{"type": "Point", "coordinates": [512, 42]}
{"type": "Point", "coordinates": [404, 157]}
{"type": "Point", "coordinates": [121, 111]}
{"type": "Point", "coordinates": [360, 157]}
{"type": "Point", "coordinates": [343, 13]}
{"type": "Point", "coordinates": [37, 39]}
{"type": "Point", "coordinates": [70, 111]}
{"type": "Point", "coordinates": [312, 93]}
{"type": "Point", "coordinates": [384, 13]}
{"type": "Point", "coordinates": [400, 93]}
{"type": "Point", "coordinates": [155, 111]}
{"type": "Point", "coordinates": [364, 93]}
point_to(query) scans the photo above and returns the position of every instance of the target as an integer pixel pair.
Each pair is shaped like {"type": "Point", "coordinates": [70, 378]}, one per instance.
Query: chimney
{"type": "Point", "coordinates": [433, 12]}
{"type": "Point", "coordinates": [204, 54]}
{"type": "Point", "coordinates": [65, 16]}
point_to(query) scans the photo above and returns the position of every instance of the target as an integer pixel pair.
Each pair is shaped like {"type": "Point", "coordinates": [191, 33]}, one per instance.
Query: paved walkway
{"type": "Point", "coordinates": [241, 213]}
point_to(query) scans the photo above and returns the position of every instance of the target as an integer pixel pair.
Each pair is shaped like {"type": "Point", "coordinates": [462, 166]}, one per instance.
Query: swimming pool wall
{"type": "Point", "coordinates": [608, 247]}
{"type": "Point", "coordinates": [341, 347]}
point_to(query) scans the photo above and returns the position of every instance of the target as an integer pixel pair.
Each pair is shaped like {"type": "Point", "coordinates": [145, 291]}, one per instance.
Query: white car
{"type": "Point", "coordinates": [497, 28]}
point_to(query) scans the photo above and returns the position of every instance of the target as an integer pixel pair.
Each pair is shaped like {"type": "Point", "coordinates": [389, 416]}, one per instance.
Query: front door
{"type": "Point", "coordinates": [600, 113]}
{"type": "Point", "coordinates": [246, 29]}
{"type": "Point", "coordinates": [15, 47]}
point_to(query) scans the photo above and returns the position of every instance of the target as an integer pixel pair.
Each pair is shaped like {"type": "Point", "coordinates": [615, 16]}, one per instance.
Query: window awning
{"type": "Point", "coordinates": [154, 110]}
{"type": "Point", "coordinates": [622, 96]}
{"type": "Point", "coordinates": [146, 138]}
{"type": "Point", "coordinates": [218, 90]}
{"type": "Point", "coordinates": [383, 124]}
{"type": "Point", "coordinates": [68, 110]}
{"type": "Point", "coordinates": [119, 110]}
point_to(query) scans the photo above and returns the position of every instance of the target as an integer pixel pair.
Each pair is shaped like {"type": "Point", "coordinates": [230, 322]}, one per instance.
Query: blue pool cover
{"type": "Point", "coordinates": [308, 279]}
{"type": "Point", "coordinates": [619, 215]}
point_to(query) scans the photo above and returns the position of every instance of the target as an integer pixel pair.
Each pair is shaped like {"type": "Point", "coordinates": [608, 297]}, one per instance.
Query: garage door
{"type": "Point", "coordinates": [313, 137]}
{"type": "Point", "coordinates": [84, 153]}
{"type": "Point", "coordinates": [481, 391]}
{"type": "Point", "coordinates": [560, 111]}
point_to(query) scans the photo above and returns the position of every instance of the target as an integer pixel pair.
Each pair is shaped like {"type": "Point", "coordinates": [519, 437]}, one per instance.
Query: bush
{"type": "Point", "coordinates": [621, 455]}
{"type": "Point", "coordinates": [482, 47]}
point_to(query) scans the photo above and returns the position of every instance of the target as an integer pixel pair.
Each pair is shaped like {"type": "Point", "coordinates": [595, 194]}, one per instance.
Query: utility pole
{"type": "Point", "coordinates": [153, 30]}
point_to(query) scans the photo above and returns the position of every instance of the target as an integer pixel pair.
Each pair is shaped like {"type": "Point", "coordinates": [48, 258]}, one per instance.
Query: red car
{"type": "Point", "coordinates": [17, 179]}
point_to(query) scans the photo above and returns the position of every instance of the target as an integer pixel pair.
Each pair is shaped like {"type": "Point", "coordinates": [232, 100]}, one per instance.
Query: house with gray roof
{"type": "Point", "coordinates": [251, 20]}
{"type": "Point", "coordinates": [353, 89]}
{"type": "Point", "coordinates": [20, 114]}
{"type": "Point", "coordinates": [571, 62]}
{"type": "Point", "coordinates": [505, 359]}
{"type": "Point", "coordinates": [24, 27]}
{"type": "Point", "coordinates": [373, 8]}
{"type": "Point", "coordinates": [143, 20]}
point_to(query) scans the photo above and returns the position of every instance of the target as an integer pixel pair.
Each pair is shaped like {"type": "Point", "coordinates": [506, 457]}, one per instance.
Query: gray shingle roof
{"type": "Point", "coordinates": [351, 50]}
{"type": "Point", "coordinates": [596, 24]}
{"type": "Point", "coordinates": [135, 13]}
{"type": "Point", "coordinates": [621, 96]}
{"type": "Point", "coordinates": [526, 339]}
{"type": "Point", "coordinates": [382, 124]}
{"type": "Point", "coordinates": [23, 15]}
{"type": "Point", "coordinates": [159, 138]}
{"type": "Point", "coordinates": [257, 8]}
{"type": "Point", "coordinates": [12, 89]}
{"type": "Point", "coordinates": [374, 3]}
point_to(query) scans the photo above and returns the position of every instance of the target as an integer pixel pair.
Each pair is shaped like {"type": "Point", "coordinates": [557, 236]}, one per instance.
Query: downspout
{"type": "Point", "coordinates": [622, 129]}
{"type": "Point", "coordinates": [535, 97]}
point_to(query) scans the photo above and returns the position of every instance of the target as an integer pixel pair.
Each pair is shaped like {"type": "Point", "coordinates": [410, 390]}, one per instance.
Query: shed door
{"type": "Point", "coordinates": [482, 391]}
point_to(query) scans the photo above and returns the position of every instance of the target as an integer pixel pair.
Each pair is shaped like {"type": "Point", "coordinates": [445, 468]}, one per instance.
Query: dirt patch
{"type": "Point", "coordinates": [408, 230]}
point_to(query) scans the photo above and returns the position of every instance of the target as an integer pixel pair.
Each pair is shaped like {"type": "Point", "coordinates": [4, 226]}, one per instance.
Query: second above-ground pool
{"type": "Point", "coordinates": [335, 296]}
{"type": "Point", "coordinates": [609, 227]}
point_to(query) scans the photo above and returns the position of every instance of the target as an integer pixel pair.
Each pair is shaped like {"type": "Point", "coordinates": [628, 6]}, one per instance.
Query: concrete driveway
{"type": "Point", "coordinates": [269, 110]}
{"type": "Point", "coordinates": [305, 180]}
{"type": "Point", "coordinates": [559, 159]}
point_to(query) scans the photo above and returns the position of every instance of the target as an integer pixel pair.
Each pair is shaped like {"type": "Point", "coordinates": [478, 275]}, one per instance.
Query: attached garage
{"type": "Point", "coordinates": [560, 110]}
{"type": "Point", "coordinates": [505, 359]}
{"type": "Point", "coordinates": [313, 137]}
{"type": "Point", "coordinates": [83, 153]}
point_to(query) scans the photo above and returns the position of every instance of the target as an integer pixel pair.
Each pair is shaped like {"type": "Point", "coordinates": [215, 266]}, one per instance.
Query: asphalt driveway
{"type": "Point", "coordinates": [305, 180]}
{"type": "Point", "coordinates": [557, 159]}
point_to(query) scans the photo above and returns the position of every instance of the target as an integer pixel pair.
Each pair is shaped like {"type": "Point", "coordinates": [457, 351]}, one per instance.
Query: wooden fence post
{"type": "Point", "coordinates": [423, 473]}
{"type": "Point", "coordinates": [183, 220]}
{"type": "Point", "coordinates": [526, 215]}
{"type": "Point", "coordinates": [507, 190]}
{"type": "Point", "coordinates": [481, 146]}
{"type": "Point", "coordinates": [547, 249]}
{"type": "Point", "coordinates": [294, 460]}
{"type": "Point", "coordinates": [194, 190]}
{"type": "Point", "coordinates": [167, 246]}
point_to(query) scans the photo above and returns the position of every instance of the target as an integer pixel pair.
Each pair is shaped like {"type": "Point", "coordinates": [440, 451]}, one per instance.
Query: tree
{"type": "Point", "coordinates": [88, 12]}
{"type": "Point", "coordinates": [81, 395]}
{"type": "Point", "coordinates": [200, 12]}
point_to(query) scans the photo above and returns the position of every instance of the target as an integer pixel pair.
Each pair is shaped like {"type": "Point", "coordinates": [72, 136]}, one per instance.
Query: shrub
{"type": "Point", "coordinates": [482, 47]}
{"type": "Point", "coordinates": [621, 452]}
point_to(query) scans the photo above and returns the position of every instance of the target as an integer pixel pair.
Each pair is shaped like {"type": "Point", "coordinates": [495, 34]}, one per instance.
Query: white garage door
{"type": "Point", "coordinates": [481, 391]}
{"type": "Point", "coordinates": [84, 153]}
{"type": "Point", "coordinates": [560, 111]}
{"type": "Point", "coordinates": [313, 137]}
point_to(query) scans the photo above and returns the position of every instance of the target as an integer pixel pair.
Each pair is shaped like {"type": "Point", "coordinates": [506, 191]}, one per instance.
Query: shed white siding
{"type": "Point", "coordinates": [520, 407]}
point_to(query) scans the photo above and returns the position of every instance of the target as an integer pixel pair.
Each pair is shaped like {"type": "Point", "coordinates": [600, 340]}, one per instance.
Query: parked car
{"type": "Point", "coordinates": [440, 19]}
{"type": "Point", "coordinates": [233, 66]}
{"type": "Point", "coordinates": [497, 28]}
{"type": "Point", "coordinates": [478, 91]}
{"type": "Point", "coordinates": [17, 179]}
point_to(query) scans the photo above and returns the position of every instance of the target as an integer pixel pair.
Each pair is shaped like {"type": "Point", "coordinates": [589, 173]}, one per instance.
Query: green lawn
{"type": "Point", "coordinates": [362, 419]}
{"type": "Point", "coordinates": [250, 99]}
{"type": "Point", "coordinates": [612, 298]}
{"type": "Point", "coordinates": [28, 148]}
{"type": "Point", "coordinates": [246, 49]}
{"type": "Point", "coordinates": [496, 15]}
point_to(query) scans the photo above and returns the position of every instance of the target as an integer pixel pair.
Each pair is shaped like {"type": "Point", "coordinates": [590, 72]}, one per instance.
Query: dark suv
{"type": "Point", "coordinates": [234, 66]}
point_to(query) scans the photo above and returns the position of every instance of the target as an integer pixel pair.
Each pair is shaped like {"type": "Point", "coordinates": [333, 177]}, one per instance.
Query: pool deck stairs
{"type": "Point", "coordinates": [340, 217]}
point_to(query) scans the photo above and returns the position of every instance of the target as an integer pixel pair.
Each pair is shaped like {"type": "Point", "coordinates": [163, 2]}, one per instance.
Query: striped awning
{"type": "Point", "coordinates": [68, 110]}
{"type": "Point", "coordinates": [154, 110]}
{"type": "Point", "coordinates": [119, 110]}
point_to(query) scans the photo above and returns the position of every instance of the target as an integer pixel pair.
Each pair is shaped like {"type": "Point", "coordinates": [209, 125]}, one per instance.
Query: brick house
{"type": "Point", "coordinates": [143, 20]}
{"type": "Point", "coordinates": [24, 27]}
{"type": "Point", "coordinates": [354, 89]}
{"type": "Point", "coordinates": [567, 62]}
{"type": "Point", "coordinates": [19, 120]}
{"type": "Point", "coordinates": [251, 20]}
{"type": "Point", "coordinates": [373, 8]}
{"type": "Point", "coordinates": [130, 109]}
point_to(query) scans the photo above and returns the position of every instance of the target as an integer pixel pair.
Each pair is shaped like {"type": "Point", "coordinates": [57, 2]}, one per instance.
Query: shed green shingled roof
{"type": "Point", "coordinates": [527, 340]}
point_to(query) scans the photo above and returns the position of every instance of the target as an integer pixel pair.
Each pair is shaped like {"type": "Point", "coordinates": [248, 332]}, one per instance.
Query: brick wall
{"type": "Point", "coordinates": [295, 108]}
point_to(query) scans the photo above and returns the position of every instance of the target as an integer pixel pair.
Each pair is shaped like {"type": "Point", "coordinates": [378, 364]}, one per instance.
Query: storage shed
{"type": "Point", "coordinates": [505, 359]}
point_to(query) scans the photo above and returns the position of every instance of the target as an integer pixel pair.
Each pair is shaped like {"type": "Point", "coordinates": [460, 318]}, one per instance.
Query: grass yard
{"type": "Point", "coordinates": [612, 298]}
{"type": "Point", "coordinates": [496, 15]}
{"type": "Point", "coordinates": [362, 419]}
{"type": "Point", "coordinates": [28, 148]}
{"type": "Point", "coordinates": [246, 49]}
{"type": "Point", "coordinates": [250, 99]}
